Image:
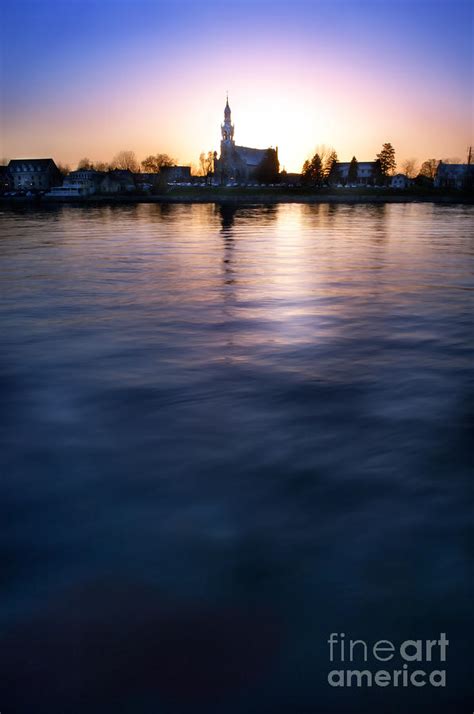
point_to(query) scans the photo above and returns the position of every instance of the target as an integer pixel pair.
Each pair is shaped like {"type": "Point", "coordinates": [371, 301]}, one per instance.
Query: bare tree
{"type": "Point", "coordinates": [64, 169]}
{"type": "Point", "coordinates": [429, 168]}
{"type": "Point", "coordinates": [100, 166]}
{"type": "Point", "coordinates": [125, 160]}
{"type": "Point", "coordinates": [206, 163]}
{"type": "Point", "coordinates": [85, 164]}
{"type": "Point", "coordinates": [410, 167]}
{"type": "Point", "coordinates": [154, 163]}
{"type": "Point", "coordinates": [326, 154]}
{"type": "Point", "coordinates": [452, 160]}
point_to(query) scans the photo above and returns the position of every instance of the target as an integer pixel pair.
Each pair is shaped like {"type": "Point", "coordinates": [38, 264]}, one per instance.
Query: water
{"type": "Point", "coordinates": [226, 433]}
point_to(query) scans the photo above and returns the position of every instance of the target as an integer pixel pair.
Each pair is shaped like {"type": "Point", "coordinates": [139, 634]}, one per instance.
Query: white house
{"type": "Point", "coordinates": [400, 181]}
{"type": "Point", "coordinates": [83, 182]}
{"type": "Point", "coordinates": [365, 170]}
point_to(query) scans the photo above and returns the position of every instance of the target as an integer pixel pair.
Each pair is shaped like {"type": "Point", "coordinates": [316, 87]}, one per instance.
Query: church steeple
{"type": "Point", "coordinates": [227, 128]}
{"type": "Point", "coordinates": [227, 109]}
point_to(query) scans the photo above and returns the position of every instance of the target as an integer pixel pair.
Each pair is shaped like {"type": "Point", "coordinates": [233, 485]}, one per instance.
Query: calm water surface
{"type": "Point", "coordinates": [226, 433]}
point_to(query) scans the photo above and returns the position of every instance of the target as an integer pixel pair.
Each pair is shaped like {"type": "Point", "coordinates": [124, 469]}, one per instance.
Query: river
{"type": "Point", "coordinates": [228, 432]}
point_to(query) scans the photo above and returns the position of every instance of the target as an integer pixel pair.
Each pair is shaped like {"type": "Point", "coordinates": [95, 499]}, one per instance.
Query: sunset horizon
{"type": "Point", "coordinates": [143, 77]}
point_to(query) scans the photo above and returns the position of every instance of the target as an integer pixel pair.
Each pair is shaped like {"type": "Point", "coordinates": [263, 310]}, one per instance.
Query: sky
{"type": "Point", "coordinates": [94, 77]}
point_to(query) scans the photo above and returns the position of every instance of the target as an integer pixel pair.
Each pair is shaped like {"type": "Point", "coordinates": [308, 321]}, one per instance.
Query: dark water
{"type": "Point", "coordinates": [226, 433]}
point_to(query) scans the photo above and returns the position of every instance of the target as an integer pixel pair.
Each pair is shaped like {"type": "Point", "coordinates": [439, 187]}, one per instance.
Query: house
{"type": "Point", "coordinates": [83, 182]}
{"type": "Point", "coordinates": [239, 163]}
{"type": "Point", "coordinates": [459, 176]}
{"type": "Point", "coordinates": [365, 171]}
{"type": "Point", "coordinates": [39, 174]}
{"type": "Point", "coordinates": [117, 181]}
{"type": "Point", "coordinates": [146, 181]}
{"type": "Point", "coordinates": [179, 174]}
{"type": "Point", "coordinates": [86, 180]}
{"type": "Point", "coordinates": [5, 180]}
{"type": "Point", "coordinates": [400, 181]}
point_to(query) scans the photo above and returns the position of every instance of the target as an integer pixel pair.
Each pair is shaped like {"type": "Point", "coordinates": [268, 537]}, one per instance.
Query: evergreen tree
{"type": "Point", "coordinates": [312, 173]}
{"type": "Point", "coordinates": [387, 161]}
{"type": "Point", "coordinates": [305, 172]}
{"type": "Point", "coordinates": [377, 174]}
{"type": "Point", "coordinates": [269, 167]}
{"type": "Point", "coordinates": [353, 173]}
{"type": "Point", "coordinates": [332, 175]}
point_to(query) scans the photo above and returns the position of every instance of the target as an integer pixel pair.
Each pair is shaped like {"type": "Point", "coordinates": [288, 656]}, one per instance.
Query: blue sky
{"type": "Point", "coordinates": [95, 76]}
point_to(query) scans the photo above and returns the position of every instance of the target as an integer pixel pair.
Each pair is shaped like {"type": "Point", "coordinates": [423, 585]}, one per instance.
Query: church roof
{"type": "Point", "coordinates": [252, 157]}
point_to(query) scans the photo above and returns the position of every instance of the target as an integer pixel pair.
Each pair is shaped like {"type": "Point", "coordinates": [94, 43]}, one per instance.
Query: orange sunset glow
{"type": "Point", "coordinates": [153, 78]}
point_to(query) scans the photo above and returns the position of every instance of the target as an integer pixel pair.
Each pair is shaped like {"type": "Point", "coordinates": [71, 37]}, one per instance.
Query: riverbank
{"type": "Point", "coordinates": [256, 195]}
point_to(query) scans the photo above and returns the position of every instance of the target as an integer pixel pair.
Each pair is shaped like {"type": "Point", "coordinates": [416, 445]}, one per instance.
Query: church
{"type": "Point", "coordinates": [242, 163]}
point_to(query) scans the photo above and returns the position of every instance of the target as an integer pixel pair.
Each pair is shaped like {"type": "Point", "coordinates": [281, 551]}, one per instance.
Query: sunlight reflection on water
{"type": "Point", "coordinates": [230, 431]}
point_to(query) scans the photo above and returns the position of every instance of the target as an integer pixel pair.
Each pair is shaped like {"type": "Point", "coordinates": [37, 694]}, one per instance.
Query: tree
{"type": "Point", "coordinates": [316, 169]}
{"type": "Point", "coordinates": [63, 169]}
{"type": "Point", "coordinates": [429, 168]}
{"type": "Point", "coordinates": [100, 166]}
{"type": "Point", "coordinates": [378, 176]}
{"type": "Point", "coordinates": [331, 169]}
{"type": "Point", "coordinates": [386, 159]}
{"type": "Point", "coordinates": [353, 172]}
{"type": "Point", "coordinates": [125, 160]}
{"type": "Point", "coordinates": [410, 167]}
{"type": "Point", "coordinates": [451, 160]}
{"type": "Point", "coordinates": [154, 163]}
{"type": "Point", "coordinates": [206, 163]}
{"type": "Point", "coordinates": [269, 168]}
{"type": "Point", "coordinates": [324, 152]}
{"type": "Point", "coordinates": [312, 172]}
{"type": "Point", "coordinates": [85, 164]}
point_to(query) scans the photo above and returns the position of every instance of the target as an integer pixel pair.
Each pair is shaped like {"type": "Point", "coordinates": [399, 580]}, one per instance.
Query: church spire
{"type": "Point", "coordinates": [227, 108]}
{"type": "Point", "coordinates": [227, 128]}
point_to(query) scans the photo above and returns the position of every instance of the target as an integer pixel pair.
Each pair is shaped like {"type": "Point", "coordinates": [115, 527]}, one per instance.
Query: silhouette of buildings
{"type": "Point", "coordinates": [85, 182]}
{"type": "Point", "coordinates": [39, 174]}
{"type": "Point", "coordinates": [6, 183]}
{"type": "Point", "coordinates": [171, 174]}
{"type": "Point", "coordinates": [238, 163]}
{"type": "Point", "coordinates": [457, 176]}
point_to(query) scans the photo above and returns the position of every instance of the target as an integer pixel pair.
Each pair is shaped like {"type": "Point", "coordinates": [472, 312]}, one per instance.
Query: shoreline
{"type": "Point", "coordinates": [242, 197]}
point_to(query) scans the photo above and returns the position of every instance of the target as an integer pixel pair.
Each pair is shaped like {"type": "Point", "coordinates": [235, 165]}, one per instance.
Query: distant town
{"type": "Point", "coordinates": [236, 167]}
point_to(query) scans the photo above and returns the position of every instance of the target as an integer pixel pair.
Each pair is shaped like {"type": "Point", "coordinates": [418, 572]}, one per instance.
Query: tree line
{"type": "Point", "coordinates": [125, 160]}
{"type": "Point", "coordinates": [322, 169]}
{"type": "Point", "coordinates": [319, 170]}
